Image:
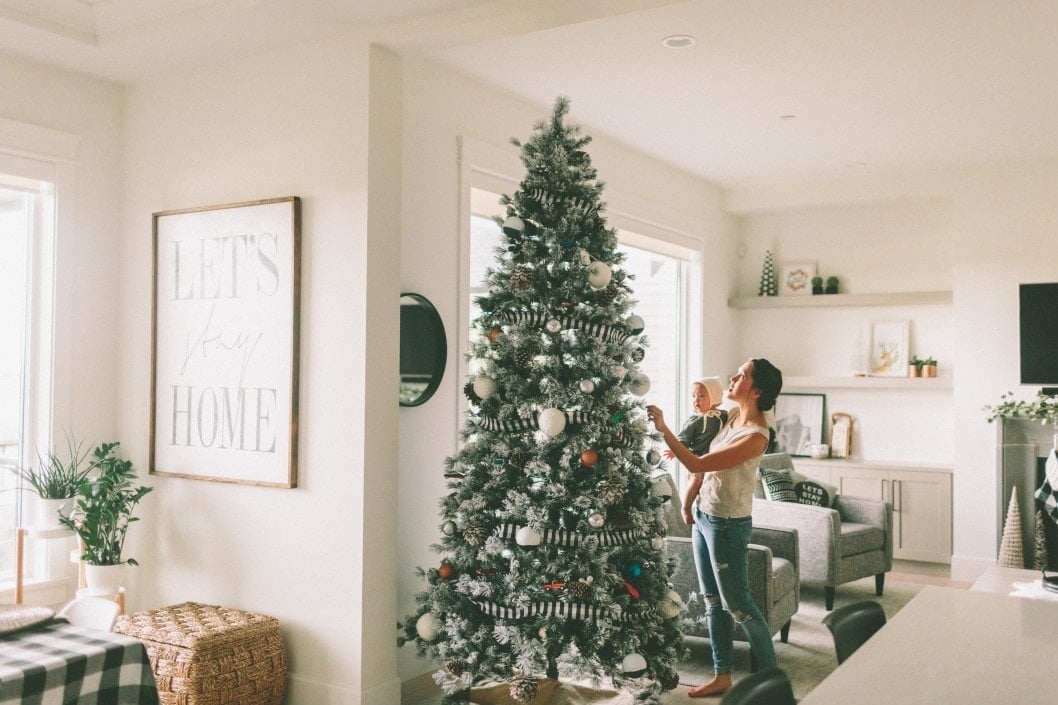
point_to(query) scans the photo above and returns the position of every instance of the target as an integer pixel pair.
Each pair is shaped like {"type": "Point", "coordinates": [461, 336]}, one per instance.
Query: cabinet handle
{"type": "Point", "coordinates": [897, 494]}
{"type": "Point", "coordinates": [885, 493]}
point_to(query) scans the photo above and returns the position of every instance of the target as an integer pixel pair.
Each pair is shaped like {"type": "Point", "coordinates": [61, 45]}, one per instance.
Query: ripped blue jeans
{"type": "Point", "coordinates": [720, 555]}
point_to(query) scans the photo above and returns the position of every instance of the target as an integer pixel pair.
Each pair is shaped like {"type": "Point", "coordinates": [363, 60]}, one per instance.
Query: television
{"type": "Point", "coordinates": [1039, 333]}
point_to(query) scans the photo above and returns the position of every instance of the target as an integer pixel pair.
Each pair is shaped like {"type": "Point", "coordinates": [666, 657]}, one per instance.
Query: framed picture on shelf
{"type": "Point", "coordinates": [799, 420]}
{"type": "Point", "coordinates": [887, 349]}
{"type": "Point", "coordinates": [796, 278]}
{"type": "Point", "coordinates": [840, 435]}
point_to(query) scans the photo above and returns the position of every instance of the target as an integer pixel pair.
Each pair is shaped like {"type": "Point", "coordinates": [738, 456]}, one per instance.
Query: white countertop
{"type": "Point", "coordinates": [953, 646]}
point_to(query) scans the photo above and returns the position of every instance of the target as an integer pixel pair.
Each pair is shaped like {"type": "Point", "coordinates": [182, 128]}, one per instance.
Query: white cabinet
{"type": "Point", "coordinates": [920, 495]}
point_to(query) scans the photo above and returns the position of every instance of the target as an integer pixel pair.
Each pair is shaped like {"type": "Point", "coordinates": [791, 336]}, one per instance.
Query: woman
{"type": "Point", "coordinates": [722, 518]}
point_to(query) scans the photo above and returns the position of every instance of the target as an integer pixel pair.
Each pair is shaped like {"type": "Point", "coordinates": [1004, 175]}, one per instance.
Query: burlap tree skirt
{"type": "Point", "coordinates": [551, 692]}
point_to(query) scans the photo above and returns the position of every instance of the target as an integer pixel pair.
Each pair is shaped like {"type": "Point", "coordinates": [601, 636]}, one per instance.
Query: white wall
{"type": "Point", "coordinates": [439, 108]}
{"type": "Point", "coordinates": [294, 122]}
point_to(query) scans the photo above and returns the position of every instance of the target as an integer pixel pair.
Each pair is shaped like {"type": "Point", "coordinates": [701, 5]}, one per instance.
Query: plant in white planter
{"type": "Point", "coordinates": [104, 510]}
{"type": "Point", "coordinates": [56, 479]}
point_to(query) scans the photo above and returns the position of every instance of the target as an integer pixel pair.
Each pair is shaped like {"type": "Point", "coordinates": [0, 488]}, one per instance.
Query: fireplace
{"type": "Point", "coordinates": [1023, 449]}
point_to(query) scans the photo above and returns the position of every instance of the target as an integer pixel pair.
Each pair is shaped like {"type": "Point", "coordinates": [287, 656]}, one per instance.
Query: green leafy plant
{"type": "Point", "coordinates": [1043, 408]}
{"type": "Point", "coordinates": [57, 477]}
{"type": "Point", "coordinates": [915, 362]}
{"type": "Point", "coordinates": [105, 505]}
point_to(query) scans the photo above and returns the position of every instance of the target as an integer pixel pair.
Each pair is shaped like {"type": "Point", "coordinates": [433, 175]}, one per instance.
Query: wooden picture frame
{"type": "Point", "coordinates": [887, 353]}
{"type": "Point", "coordinates": [795, 278]}
{"type": "Point", "coordinates": [225, 342]}
{"type": "Point", "coordinates": [840, 435]}
{"type": "Point", "coordinates": [799, 420]}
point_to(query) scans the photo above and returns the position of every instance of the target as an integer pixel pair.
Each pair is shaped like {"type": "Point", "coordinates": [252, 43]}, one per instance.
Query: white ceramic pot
{"type": "Point", "coordinates": [103, 579]}
{"type": "Point", "coordinates": [49, 511]}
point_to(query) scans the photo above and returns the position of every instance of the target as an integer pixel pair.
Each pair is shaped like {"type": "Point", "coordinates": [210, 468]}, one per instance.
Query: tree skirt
{"type": "Point", "coordinates": [551, 692]}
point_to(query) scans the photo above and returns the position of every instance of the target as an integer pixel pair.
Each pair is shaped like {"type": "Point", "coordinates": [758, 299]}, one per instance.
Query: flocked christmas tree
{"type": "Point", "coordinates": [552, 557]}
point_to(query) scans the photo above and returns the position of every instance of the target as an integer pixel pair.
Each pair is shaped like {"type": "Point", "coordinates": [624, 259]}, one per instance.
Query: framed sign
{"type": "Point", "coordinates": [797, 278]}
{"type": "Point", "coordinates": [887, 355]}
{"type": "Point", "coordinates": [225, 330]}
{"type": "Point", "coordinates": [799, 422]}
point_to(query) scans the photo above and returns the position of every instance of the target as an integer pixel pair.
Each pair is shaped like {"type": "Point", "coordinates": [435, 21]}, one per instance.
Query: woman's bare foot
{"type": "Point", "coordinates": [720, 684]}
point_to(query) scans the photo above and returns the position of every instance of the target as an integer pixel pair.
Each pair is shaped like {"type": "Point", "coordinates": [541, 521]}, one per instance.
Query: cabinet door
{"type": "Point", "coordinates": [862, 482]}
{"type": "Point", "coordinates": [921, 516]}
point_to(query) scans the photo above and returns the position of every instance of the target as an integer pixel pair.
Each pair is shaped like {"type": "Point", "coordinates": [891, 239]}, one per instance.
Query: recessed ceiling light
{"type": "Point", "coordinates": [678, 41]}
{"type": "Point", "coordinates": [788, 116]}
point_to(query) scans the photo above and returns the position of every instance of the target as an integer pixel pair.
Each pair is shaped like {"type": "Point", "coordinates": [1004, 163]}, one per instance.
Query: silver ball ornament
{"type": "Point", "coordinates": [671, 605]}
{"type": "Point", "coordinates": [653, 457]}
{"type": "Point", "coordinates": [599, 275]}
{"type": "Point", "coordinates": [449, 528]}
{"type": "Point", "coordinates": [513, 226]}
{"type": "Point", "coordinates": [636, 324]}
{"type": "Point", "coordinates": [657, 543]}
{"type": "Point", "coordinates": [587, 386]}
{"type": "Point", "coordinates": [640, 385]}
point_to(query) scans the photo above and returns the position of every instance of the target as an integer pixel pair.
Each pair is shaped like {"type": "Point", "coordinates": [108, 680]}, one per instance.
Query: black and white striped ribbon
{"type": "Point", "coordinates": [559, 537]}
{"type": "Point", "coordinates": [565, 610]}
{"type": "Point", "coordinates": [613, 334]}
{"type": "Point", "coordinates": [528, 423]}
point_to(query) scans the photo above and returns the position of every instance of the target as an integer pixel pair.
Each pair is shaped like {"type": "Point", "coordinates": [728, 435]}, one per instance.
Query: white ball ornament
{"type": "Point", "coordinates": [513, 226]}
{"type": "Point", "coordinates": [599, 275]}
{"type": "Point", "coordinates": [657, 543]}
{"type": "Point", "coordinates": [634, 665]}
{"type": "Point", "coordinates": [553, 325]}
{"type": "Point", "coordinates": [636, 324]}
{"type": "Point", "coordinates": [484, 387]}
{"type": "Point", "coordinates": [653, 457]}
{"type": "Point", "coordinates": [587, 386]}
{"type": "Point", "coordinates": [426, 627]}
{"type": "Point", "coordinates": [671, 606]}
{"type": "Point", "coordinates": [551, 421]}
{"type": "Point", "coordinates": [527, 536]}
{"type": "Point", "coordinates": [661, 487]}
{"type": "Point", "coordinates": [640, 385]}
{"type": "Point", "coordinates": [596, 520]}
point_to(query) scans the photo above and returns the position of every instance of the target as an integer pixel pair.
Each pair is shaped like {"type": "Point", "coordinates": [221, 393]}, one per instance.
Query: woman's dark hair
{"type": "Point", "coordinates": [767, 379]}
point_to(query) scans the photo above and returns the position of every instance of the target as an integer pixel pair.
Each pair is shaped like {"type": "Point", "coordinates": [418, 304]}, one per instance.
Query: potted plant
{"type": "Point", "coordinates": [914, 366]}
{"type": "Point", "coordinates": [832, 285]}
{"type": "Point", "coordinates": [817, 285]}
{"type": "Point", "coordinates": [102, 516]}
{"type": "Point", "coordinates": [56, 480]}
{"type": "Point", "coordinates": [929, 367]}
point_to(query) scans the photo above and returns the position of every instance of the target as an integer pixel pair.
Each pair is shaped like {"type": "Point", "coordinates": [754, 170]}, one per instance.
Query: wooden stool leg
{"type": "Point", "coordinates": [20, 554]}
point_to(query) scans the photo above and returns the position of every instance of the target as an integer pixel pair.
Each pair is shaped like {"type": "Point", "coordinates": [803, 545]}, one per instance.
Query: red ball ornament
{"type": "Point", "coordinates": [446, 571]}
{"type": "Point", "coordinates": [588, 458]}
{"type": "Point", "coordinates": [494, 334]}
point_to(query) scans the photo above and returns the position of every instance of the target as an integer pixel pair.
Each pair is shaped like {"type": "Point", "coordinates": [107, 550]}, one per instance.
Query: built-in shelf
{"type": "Point", "coordinates": [903, 298]}
{"type": "Point", "coordinates": [904, 383]}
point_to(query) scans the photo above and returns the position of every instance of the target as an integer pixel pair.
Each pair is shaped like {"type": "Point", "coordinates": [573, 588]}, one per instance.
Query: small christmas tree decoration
{"type": "Point", "coordinates": [599, 275]}
{"type": "Point", "coordinates": [1011, 553]}
{"type": "Point", "coordinates": [1039, 544]}
{"type": "Point", "coordinates": [513, 226]}
{"type": "Point", "coordinates": [769, 283]}
{"type": "Point", "coordinates": [484, 387]}
{"type": "Point", "coordinates": [635, 324]}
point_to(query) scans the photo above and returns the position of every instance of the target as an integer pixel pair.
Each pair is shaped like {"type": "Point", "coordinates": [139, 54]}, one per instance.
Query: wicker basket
{"type": "Point", "coordinates": [209, 655]}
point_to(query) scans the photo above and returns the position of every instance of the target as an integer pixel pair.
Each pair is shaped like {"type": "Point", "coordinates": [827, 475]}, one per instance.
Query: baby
{"type": "Point", "coordinates": [698, 433]}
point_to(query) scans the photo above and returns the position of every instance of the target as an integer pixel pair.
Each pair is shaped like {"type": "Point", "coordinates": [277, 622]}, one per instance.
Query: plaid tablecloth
{"type": "Point", "coordinates": [60, 664]}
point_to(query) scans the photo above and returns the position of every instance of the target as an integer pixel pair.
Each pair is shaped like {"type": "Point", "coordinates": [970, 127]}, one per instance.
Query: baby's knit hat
{"type": "Point", "coordinates": [715, 387]}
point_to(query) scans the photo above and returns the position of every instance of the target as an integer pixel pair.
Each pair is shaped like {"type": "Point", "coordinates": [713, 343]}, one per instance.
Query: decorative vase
{"type": "Point", "coordinates": [929, 370]}
{"type": "Point", "coordinates": [912, 371]}
{"type": "Point", "coordinates": [104, 579]}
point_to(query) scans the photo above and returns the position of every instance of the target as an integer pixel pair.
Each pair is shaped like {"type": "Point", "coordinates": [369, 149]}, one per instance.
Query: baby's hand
{"type": "Point", "coordinates": [668, 454]}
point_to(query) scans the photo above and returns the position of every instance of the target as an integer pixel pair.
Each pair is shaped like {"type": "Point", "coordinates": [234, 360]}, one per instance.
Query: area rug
{"type": "Point", "coordinates": [809, 656]}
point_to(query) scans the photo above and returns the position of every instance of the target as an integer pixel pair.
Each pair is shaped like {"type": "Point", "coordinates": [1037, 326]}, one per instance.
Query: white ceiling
{"type": "Point", "coordinates": [872, 86]}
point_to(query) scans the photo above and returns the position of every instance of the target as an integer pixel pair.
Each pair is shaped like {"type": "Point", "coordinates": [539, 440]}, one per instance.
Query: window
{"type": "Point", "coordinates": [27, 236]}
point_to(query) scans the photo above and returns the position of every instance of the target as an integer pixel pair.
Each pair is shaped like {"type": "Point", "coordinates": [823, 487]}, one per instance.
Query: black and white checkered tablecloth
{"type": "Point", "coordinates": [60, 664]}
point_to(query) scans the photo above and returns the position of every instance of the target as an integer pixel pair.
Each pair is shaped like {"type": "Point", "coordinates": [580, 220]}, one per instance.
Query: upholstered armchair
{"type": "Point", "coordinates": [773, 566]}
{"type": "Point", "coordinates": [849, 540]}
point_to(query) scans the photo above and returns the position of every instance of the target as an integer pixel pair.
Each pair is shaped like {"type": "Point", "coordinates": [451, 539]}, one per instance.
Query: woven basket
{"type": "Point", "coordinates": [209, 655]}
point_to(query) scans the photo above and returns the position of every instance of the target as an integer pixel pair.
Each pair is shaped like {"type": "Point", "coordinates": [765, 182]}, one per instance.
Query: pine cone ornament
{"type": "Point", "coordinates": [612, 490]}
{"type": "Point", "coordinates": [522, 357]}
{"type": "Point", "coordinates": [456, 666]}
{"type": "Point", "coordinates": [669, 680]}
{"type": "Point", "coordinates": [468, 391]}
{"type": "Point", "coordinates": [606, 296]}
{"type": "Point", "coordinates": [522, 278]}
{"type": "Point", "coordinates": [579, 589]}
{"type": "Point", "coordinates": [638, 354]}
{"type": "Point", "coordinates": [524, 688]}
{"type": "Point", "coordinates": [475, 532]}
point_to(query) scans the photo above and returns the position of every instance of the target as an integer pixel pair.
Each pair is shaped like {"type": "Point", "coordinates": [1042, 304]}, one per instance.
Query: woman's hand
{"type": "Point", "coordinates": [688, 516]}
{"type": "Point", "coordinates": [657, 416]}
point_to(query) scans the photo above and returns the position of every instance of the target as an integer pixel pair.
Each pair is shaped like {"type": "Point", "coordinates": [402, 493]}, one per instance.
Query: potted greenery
{"type": "Point", "coordinates": [817, 285]}
{"type": "Point", "coordinates": [929, 367]}
{"type": "Point", "coordinates": [102, 515]}
{"type": "Point", "coordinates": [56, 480]}
{"type": "Point", "coordinates": [914, 366]}
{"type": "Point", "coordinates": [832, 285]}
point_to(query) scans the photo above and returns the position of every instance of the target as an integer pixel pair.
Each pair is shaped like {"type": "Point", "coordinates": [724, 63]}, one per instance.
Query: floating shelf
{"type": "Point", "coordinates": [904, 383]}
{"type": "Point", "coordinates": [905, 298]}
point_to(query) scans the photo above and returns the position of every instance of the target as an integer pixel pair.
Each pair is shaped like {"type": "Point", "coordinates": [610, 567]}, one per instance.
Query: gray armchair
{"type": "Point", "coordinates": [851, 540]}
{"type": "Point", "coordinates": [773, 572]}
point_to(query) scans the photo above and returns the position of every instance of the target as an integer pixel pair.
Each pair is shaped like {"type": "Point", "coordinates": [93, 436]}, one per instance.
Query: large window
{"type": "Point", "coordinates": [27, 207]}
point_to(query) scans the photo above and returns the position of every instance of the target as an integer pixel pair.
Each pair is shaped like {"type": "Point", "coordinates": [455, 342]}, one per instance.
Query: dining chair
{"type": "Point", "coordinates": [852, 625]}
{"type": "Point", "coordinates": [94, 612]}
{"type": "Point", "coordinates": [768, 686]}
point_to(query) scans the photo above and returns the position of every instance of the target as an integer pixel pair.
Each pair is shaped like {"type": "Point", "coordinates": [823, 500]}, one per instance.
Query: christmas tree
{"type": "Point", "coordinates": [552, 554]}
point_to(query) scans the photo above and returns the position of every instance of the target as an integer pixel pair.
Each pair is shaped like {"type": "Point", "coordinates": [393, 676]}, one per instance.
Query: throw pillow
{"type": "Point", "coordinates": [818, 494]}
{"type": "Point", "coordinates": [778, 486]}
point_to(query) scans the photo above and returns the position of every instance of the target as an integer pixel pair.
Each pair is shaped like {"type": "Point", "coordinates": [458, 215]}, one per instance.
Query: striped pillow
{"type": "Point", "coordinates": [778, 485]}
